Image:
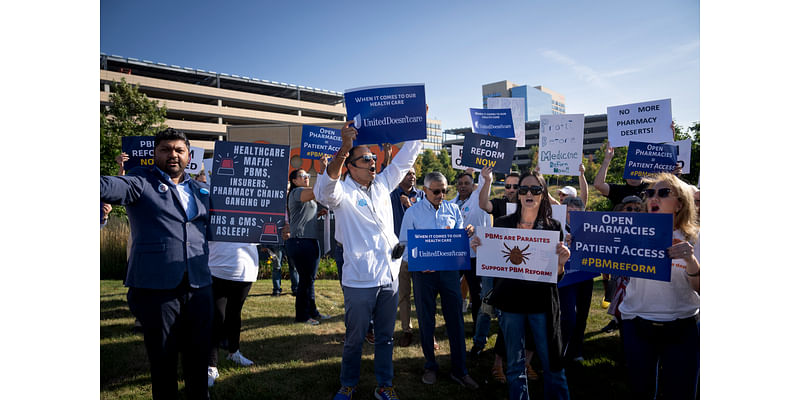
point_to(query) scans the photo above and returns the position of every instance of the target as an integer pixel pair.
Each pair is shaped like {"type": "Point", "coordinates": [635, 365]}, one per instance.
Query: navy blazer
{"type": "Point", "coordinates": [165, 243]}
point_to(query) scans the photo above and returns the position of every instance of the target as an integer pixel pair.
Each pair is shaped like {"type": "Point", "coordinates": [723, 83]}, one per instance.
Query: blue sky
{"type": "Point", "coordinates": [597, 54]}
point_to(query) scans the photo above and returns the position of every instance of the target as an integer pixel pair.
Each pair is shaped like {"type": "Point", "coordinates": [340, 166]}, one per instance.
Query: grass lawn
{"type": "Point", "coordinates": [298, 361]}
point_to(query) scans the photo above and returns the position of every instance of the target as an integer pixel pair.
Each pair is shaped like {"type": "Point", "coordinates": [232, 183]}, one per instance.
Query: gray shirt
{"type": "Point", "coordinates": [302, 216]}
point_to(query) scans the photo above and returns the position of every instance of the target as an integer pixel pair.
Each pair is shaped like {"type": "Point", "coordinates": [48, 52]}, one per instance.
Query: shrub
{"type": "Point", "coordinates": [113, 248]}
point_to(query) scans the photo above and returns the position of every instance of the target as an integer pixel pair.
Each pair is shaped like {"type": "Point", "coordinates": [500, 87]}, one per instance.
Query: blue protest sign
{"type": "Point", "coordinates": [647, 159]}
{"type": "Point", "coordinates": [494, 121]}
{"type": "Point", "coordinates": [318, 141]}
{"type": "Point", "coordinates": [248, 192]}
{"type": "Point", "coordinates": [387, 114]}
{"type": "Point", "coordinates": [139, 150]}
{"type": "Point", "coordinates": [630, 244]}
{"type": "Point", "coordinates": [438, 249]}
{"type": "Point", "coordinates": [483, 150]}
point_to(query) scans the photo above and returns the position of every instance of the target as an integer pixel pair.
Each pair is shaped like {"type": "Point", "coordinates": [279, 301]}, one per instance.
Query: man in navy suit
{"type": "Point", "coordinates": [168, 277]}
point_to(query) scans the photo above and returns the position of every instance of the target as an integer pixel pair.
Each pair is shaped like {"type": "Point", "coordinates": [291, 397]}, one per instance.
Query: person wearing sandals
{"type": "Point", "coordinates": [302, 245]}
{"type": "Point", "coordinates": [660, 332]}
{"type": "Point", "coordinates": [539, 307]}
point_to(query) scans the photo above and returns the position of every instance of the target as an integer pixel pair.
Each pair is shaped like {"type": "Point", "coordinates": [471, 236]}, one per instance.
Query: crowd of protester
{"type": "Point", "coordinates": [187, 293]}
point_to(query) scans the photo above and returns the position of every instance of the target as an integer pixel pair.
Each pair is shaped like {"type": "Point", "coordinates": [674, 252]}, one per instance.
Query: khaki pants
{"type": "Point", "coordinates": [404, 301]}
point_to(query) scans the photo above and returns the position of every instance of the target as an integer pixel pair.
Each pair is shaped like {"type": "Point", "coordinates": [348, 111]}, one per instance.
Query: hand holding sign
{"type": "Point", "coordinates": [349, 134]}
{"type": "Point", "coordinates": [682, 250]}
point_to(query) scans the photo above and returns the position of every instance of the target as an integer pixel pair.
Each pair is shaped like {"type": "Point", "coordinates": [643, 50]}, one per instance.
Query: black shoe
{"type": "Point", "coordinates": [276, 293]}
{"type": "Point", "coordinates": [474, 352]}
{"type": "Point", "coordinates": [612, 326]}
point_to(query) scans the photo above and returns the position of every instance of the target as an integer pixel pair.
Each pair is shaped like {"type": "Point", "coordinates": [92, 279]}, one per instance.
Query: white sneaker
{"type": "Point", "coordinates": [239, 359]}
{"type": "Point", "coordinates": [213, 374]}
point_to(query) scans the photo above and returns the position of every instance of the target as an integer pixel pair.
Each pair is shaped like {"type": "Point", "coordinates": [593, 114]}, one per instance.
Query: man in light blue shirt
{"type": "Point", "coordinates": [434, 213]}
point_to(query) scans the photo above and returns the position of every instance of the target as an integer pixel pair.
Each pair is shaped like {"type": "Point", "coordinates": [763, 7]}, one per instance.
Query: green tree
{"type": "Point", "coordinates": [694, 133]}
{"type": "Point", "coordinates": [447, 165]}
{"type": "Point", "coordinates": [130, 113]}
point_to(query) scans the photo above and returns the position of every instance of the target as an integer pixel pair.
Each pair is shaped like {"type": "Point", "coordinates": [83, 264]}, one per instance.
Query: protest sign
{"type": "Point", "coordinates": [387, 114]}
{"type": "Point", "coordinates": [495, 122]}
{"type": "Point", "coordinates": [560, 214]}
{"type": "Point", "coordinates": [560, 144]}
{"type": "Point", "coordinates": [647, 159]}
{"type": "Point", "coordinates": [248, 192]}
{"type": "Point", "coordinates": [208, 164]}
{"type": "Point", "coordinates": [438, 250]}
{"type": "Point", "coordinates": [629, 244]}
{"type": "Point", "coordinates": [455, 158]}
{"type": "Point", "coordinates": [649, 121]}
{"type": "Point", "coordinates": [484, 150]}
{"type": "Point", "coordinates": [528, 254]}
{"type": "Point", "coordinates": [319, 141]}
{"type": "Point", "coordinates": [517, 106]}
{"type": "Point", "coordinates": [139, 150]}
{"type": "Point", "coordinates": [684, 155]}
{"type": "Point", "coordinates": [195, 160]}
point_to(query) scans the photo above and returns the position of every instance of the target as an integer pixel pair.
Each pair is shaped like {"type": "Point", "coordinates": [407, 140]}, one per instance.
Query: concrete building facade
{"type": "Point", "coordinates": [538, 99]}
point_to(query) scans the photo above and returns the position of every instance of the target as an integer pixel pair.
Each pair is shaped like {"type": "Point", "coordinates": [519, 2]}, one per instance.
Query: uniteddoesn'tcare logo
{"type": "Point", "coordinates": [359, 121]}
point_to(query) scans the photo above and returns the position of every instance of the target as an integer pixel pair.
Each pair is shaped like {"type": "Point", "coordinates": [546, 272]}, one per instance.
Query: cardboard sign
{"type": "Point", "coordinates": [455, 158]}
{"type": "Point", "coordinates": [495, 122]}
{"type": "Point", "coordinates": [650, 121]}
{"type": "Point", "coordinates": [318, 141]}
{"type": "Point", "coordinates": [560, 144]}
{"type": "Point", "coordinates": [438, 250]}
{"type": "Point", "coordinates": [139, 150]}
{"type": "Point", "coordinates": [195, 160]}
{"type": "Point", "coordinates": [248, 192]}
{"type": "Point", "coordinates": [517, 106]}
{"type": "Point", "coordinates": [630, 244]}
{"type": "Point", "coordinates": [387, 114]}
{"type": "Point", "coordinates": [647, 159]}
{"type": "Point", "coordinates": [684, 154]}
{"type": "Point", "coordinates": [528, 254]}
{"type": "Point", "coordinates": [483, 150]}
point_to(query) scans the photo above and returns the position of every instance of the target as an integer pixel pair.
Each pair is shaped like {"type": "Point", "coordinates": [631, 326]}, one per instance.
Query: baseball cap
{"type": "Point", "coordinates": [569, 191]}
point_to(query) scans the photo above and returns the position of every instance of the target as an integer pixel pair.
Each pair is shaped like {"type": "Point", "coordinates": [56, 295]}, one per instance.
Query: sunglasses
{"type": "Point", "coordinates": [515, 186]}
{"type": "Point", "coordinates": [535, 190]}
{"type": "Point", "coordinates": [437, 192]}
{"type": "Point", "coordinates": [303, 176]}
{"type": "Point", "coordinates": [663, 192]}
{"type": "Point", "coordinates": [367, 158]}
{"type": "Point", "coordinates": [635, 209]}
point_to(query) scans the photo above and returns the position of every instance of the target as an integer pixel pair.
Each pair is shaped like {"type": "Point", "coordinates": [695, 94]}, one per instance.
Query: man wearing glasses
{"type": "Point", "coordinates": [499, 207]}
{"type": "Point", "coordinates": [365, 227]}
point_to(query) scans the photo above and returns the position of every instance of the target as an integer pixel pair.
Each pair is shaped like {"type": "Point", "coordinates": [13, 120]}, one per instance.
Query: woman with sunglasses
{"type": "Point", "coordinates": [532, 304]}
{"type": "Point", "coordinates": [303, 247]}
{"type": "Point", "coordinates": [659, 319]}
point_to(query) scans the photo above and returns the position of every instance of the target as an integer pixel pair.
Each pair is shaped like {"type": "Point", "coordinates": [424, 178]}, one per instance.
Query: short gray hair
{"type": "Point", "coordinates": [434, 176]}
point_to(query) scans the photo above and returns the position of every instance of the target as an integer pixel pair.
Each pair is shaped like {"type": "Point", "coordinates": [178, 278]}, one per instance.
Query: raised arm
{"type": "Point", "coordinates": [600, 180]}
{"type": "Point", "coordinates": [584, 185]}
{"type": "Point", "coordinates": [483, 197]}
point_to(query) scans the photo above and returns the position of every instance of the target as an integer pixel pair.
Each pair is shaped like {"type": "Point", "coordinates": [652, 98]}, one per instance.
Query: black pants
{"type": "Point", "coordinates": [175, 320]}
{"type": "Point", "coordinates": [229, 297]}
{"type": "Point", "coordinates": [474, 283]}
{"type": "Point", "coordinates": [305, 254]}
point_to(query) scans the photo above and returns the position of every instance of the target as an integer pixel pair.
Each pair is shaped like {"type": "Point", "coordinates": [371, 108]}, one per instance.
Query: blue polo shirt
{"type": "Point", "coordinates": [398, 210]}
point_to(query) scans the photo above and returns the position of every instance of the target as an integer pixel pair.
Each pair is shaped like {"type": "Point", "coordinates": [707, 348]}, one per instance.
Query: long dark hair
{"type": "Point", "coordinates": [292, 177]}
{"type": "Point", "coordinates": [545, 214]}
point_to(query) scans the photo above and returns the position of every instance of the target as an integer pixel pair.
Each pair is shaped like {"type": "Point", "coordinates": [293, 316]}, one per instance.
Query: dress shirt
{"type": "Point", "coordinates": [364, 222]}
{"type": "Point", "coordinates": [184, 193]}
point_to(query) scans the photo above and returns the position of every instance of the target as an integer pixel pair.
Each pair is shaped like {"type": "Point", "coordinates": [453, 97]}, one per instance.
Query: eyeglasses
{"type": "Point", "coordinates": [634, 209]}
{"type": "Point", "coordinates": [663, 192]}
{"type": "Point", "coordinates": [515, 186]}
{"type": "Point", "coordinates": [437, 192]}
{"type": "Point", "coordinates": [535, 190]}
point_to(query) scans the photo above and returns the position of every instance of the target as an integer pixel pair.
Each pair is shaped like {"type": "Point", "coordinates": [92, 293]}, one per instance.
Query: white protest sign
{"type": "Point", "coordinates": [195, 161]}
{"type": "Point", "coordinates": [650, 122]}
{"type": "Point", "coordinates": [527, 254]}
{"type": "Point", "coordinates": [560, 144]}
{"type": "Point", "coordinates": [455, 158]}
{"type": "Point", "coordinates": [684, 154]}
{"type": "Point", "coordinates": [208, 164]}
{"type": "Point", "coordinates": [560, 215]}
{"type": "Point", "coordinates": [517, 106]}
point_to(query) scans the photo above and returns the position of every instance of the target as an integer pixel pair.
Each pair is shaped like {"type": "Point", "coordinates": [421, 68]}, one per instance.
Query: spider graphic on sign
{"type": "Point", "coordinates": [516, 255]}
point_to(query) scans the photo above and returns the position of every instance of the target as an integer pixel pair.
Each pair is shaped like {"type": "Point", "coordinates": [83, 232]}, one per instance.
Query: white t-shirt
{"type": "Point", "coordinates": [663, 301]}
{"type": "Point", "coordinates": [233, 261]}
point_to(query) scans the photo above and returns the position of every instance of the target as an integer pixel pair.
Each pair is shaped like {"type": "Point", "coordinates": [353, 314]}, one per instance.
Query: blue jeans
{"type": "Point", "coordinates": [484, 321]}
{"type": "Point", "coordinates": [575, 302]}
{"type": "Point", "coordinates": [513, 325]}
{"type": "Point", "coordinates": [663, 356]}
{"type": "Point", "coordinates": [305, 253]}
{"type": "Point", "coordinates": [426, 287]}
{"type": "Point", "coordinates": [360, 306]}
{"type": "Point", "coordinates": [276, 270]}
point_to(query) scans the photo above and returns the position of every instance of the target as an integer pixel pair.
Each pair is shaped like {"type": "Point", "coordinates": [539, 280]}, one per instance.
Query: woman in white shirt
{"type": "Point", "coordinates": [660, 319]}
